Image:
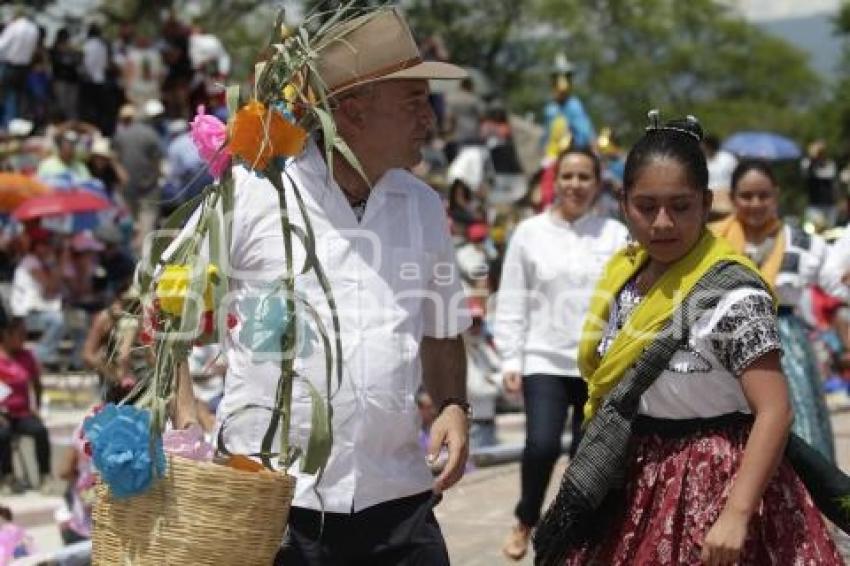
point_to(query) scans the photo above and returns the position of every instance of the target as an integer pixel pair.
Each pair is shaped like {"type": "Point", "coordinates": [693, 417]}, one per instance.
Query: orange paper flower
{"type": "Point", "coordinates": [258, 134]}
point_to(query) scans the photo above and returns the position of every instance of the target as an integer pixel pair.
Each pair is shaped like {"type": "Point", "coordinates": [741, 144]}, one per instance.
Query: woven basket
{"type": "Point", "coordinates": [199, 513]}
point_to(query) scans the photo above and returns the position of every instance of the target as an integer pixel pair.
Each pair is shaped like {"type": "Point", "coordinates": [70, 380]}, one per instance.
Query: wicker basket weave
{"type": "Point", "coordinates": [199, 513]}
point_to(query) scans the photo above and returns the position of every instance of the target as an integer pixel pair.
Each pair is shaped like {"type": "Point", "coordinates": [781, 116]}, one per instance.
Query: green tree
{"type": "Point", "coordinates": [682, 57]}
{"type": "Point", "coordinates": [839, 110]}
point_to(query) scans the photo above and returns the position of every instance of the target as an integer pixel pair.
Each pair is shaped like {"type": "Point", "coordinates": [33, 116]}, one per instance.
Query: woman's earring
{"type": "Point", "coordinates": [631, 248]}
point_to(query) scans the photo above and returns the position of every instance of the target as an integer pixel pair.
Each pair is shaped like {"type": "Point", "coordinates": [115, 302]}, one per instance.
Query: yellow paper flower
{"type": "Point", "coordinates": [290, 93]}
{"type": "Point", "coordinates": [173, 285]}
{"type": "Point", "coordinates": [258, 134]}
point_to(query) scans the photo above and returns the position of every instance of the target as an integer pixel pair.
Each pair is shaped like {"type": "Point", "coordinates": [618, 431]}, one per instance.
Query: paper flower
{"type": "Point", "coordinates": [173, 285]}
{"type": "Point", "coordinates": [209, 135]}
{"type": "Point", "coordinates": [122, 449]}
{"type": "Point", "coordinates": [188, 443]}
{"type": "Point", "coordinates": [258, 134]}
{"type": "Point", "coordinates": [263, 323]}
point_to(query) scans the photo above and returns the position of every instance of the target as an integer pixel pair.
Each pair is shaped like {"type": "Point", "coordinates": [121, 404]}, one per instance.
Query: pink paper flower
{"type": "Point", "coordinates": [209, 135]}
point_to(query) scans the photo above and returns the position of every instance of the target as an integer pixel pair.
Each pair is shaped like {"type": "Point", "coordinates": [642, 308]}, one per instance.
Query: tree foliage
{"type": "Point", "coordinates": [683, 57]}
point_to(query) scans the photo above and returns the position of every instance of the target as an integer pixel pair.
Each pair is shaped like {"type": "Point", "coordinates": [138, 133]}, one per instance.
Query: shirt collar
{"type": "Point", "coordinates": [577, 224]}
{"type": "Point", "coordinates": [312, 172]}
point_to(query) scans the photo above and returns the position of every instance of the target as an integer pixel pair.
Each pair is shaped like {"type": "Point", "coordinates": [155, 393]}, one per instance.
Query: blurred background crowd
{"type": "Point", "coordinates": [95, 152]}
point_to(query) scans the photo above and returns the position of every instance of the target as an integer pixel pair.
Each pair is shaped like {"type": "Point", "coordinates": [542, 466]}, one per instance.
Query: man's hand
{"type": "Point", "coordinates": [450, 429]}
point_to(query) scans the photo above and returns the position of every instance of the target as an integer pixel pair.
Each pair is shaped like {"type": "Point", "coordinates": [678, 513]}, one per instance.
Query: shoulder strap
{"type": "Point", "coordinates": [704, 297]}
{"type": "Point", "coordinates": [599, 465]}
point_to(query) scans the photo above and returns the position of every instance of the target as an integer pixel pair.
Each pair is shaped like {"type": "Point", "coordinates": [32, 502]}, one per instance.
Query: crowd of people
{"type": "Point", "coordinates": [532, 246]}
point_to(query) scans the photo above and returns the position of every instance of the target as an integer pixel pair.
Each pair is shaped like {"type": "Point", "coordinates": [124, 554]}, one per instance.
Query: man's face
{"type": "Point", "coordinates": [67, 150]}
{"type": "Point", "coordinates": [398, 123]}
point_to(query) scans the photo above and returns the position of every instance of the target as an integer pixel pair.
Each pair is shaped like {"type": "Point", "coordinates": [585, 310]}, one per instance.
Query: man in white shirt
{"type": "Point", "coordinates": [387, 253]}
{"type": "Point", "coordinates": [17, 47]}
{"type": "Point", "coordinates": [94, 94]}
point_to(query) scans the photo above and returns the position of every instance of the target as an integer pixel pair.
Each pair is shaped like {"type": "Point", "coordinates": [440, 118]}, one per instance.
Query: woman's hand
{"type": "Point", "coordinates": [512, 380]}
{"type": "Point", "coordinates": [184, 409]}
{"type": "Point", "coordinates": [725, 540]}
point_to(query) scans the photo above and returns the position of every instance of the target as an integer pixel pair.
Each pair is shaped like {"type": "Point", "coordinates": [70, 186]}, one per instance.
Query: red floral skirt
{"type": "Point", "coordinates": [675, 491]}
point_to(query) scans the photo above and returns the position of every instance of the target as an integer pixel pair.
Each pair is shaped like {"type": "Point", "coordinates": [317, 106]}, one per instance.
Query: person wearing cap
{"type": "Point", "coordinates": [139, 150]}
{"type": "Point", "coordinates": [567, 122]}
{"type": "Point", "coordinates": [186, 173]}
{"type": "Point", "coordinates": [105, 167]}
{"type": "Point", "coordinates": [389, 260]}
{"type": "Point", "coordinates": [65, 162]}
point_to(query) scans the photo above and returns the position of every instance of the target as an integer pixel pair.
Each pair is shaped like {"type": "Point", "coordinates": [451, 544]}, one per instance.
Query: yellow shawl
{"type": "Point", "coordinates": [648, 318]}
{"type": "Point", "coordinates": [733, 231]}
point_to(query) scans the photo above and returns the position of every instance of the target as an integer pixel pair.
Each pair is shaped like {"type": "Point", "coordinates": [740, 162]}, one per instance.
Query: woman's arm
{"type": "Point", "coordinates": [511, 320]}
{"type": "Point", "coordinates": [767, 394]}
{"type": "Point", "coordinates": [766, 391]}
{"type": "Point", "coordinates": [96, 338]}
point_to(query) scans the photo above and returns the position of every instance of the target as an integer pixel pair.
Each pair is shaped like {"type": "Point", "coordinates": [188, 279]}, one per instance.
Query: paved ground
{"type": "Point", "coordinates": [475, 515]}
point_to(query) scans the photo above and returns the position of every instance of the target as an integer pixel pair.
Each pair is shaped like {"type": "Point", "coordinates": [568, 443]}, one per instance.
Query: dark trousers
{"type": "Point", "coordinates": [548, 399]}
{"type": "Point", "coordinates": [398, 532]}
{"type": "Point", "coordinates": [25, 426]}
{"type": "Point", "coordinates": [94, 105]}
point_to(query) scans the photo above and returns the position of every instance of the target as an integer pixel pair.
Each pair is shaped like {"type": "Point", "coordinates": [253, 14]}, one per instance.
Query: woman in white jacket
{"type": "Point", "coordinates": [550, 271]}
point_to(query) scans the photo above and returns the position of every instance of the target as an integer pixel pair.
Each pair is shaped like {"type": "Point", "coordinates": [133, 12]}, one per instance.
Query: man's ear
{"type": "Point", "coordinates": [707, 201]}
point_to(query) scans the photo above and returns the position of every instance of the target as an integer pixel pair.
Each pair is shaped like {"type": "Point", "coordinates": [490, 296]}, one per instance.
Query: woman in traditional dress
{"type": "Point", "coordinates": [688, 412]}
{"type": "Point", "coordinates": [552, 265]}
{"type": "Point", "coordinates": [790, 260]}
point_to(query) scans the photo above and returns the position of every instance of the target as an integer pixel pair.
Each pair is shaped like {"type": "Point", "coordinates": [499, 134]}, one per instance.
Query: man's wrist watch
{"type": "Point", "coordinates": [462, 403]}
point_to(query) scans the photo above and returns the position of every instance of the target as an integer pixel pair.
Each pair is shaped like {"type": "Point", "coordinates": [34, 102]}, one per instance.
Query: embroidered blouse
{"type": "Point", "coordinates": [701, 378]}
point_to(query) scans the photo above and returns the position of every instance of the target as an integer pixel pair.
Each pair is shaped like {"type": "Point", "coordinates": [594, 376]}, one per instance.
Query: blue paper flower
{"type": "Point", "coordinates": [122, 450]}
{"type": "Point", "coordinates": [266, 319]}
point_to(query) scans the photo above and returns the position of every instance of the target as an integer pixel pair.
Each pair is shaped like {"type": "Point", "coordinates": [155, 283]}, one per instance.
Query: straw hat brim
{"type": "Point", "coordinates": [423, 70]}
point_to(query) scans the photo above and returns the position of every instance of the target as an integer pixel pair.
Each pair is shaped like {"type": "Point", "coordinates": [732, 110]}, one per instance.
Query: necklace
{"type": "Point", "coordinates": [353, 199]}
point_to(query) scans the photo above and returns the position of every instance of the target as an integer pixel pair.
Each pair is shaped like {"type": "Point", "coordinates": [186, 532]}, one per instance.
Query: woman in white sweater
{"type": "Point", "coordinates": [551, 268]}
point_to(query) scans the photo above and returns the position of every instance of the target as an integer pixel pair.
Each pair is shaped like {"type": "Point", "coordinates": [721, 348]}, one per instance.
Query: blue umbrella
{"type": "Point", "coordinates": [762, 145]}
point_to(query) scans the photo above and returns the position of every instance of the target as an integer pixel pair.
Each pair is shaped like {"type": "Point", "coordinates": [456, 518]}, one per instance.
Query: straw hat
{"type": "Point", "coordinates": [127, 112]}
{"type": "Point", "coordinates": [101, 147]}
{"type": "Point", "coordinates": [376, 47]}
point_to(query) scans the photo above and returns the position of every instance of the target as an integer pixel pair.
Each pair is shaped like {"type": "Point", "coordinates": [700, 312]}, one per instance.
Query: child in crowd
{"type": "Point", "coordinates": [14, 541]}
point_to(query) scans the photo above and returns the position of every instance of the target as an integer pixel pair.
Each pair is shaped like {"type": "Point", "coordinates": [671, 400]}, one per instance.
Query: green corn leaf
{"type": "Point", "coordinates": [321, 440]}
{"type": "Point", "coordinates": [328, 134]}
{"type": "Point", "coordinates": [342, 147]}
{"type": "Point", "coordinates": [159, 244]}
{"type": "Point", "coordinates": [232, 96]}
{"type": "Point", "coordinates": [193, 306]}
{"type": "Point", "coordinates": [227, 204]}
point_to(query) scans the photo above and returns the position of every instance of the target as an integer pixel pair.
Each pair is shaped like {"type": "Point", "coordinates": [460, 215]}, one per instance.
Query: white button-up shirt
{"type": "Point", "coordinates": [550, 271]}
{"type": "Point", "coordinates": [394, 280]}
{"type": "Point", "coordinates": [19, 41]}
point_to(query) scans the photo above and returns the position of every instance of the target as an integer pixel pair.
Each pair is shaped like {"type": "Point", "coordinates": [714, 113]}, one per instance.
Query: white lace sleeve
{"type": "Point", "coordinates": [746, 331]}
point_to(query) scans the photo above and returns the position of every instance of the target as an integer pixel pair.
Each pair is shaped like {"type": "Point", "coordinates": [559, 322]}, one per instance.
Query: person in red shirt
{"type": "Point", "coordinates": [20, 373]}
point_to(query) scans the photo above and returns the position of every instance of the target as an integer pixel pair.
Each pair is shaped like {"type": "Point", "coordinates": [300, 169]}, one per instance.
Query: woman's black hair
{"type": "Point", "coordinates": [678, 140]}
{"type": "Point", "coordinates": [457, 189]}
{"type": "Point", "coordinates": [744, 167]}
{"type": "Point", "coordinates": [587, 152]}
